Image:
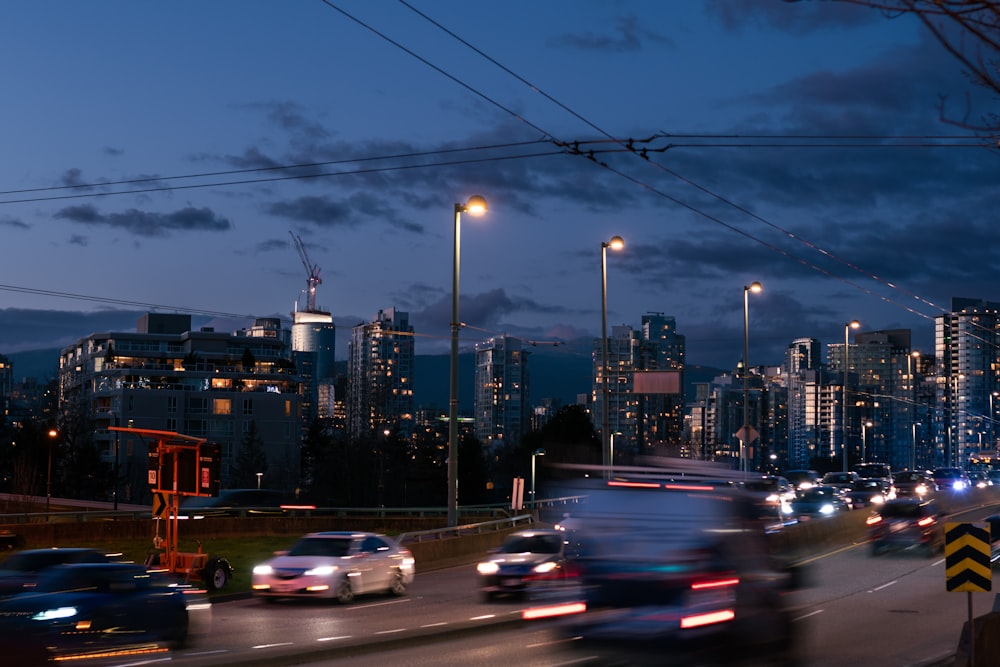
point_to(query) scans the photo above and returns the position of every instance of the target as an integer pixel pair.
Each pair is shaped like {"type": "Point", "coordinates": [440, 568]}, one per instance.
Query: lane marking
{"type": "Point", "coordinates": [273, 645]}
{"type": "Point", "coordinates": [330, 639]}
{"type": "Point", "coordinates": [812, 613]}
{"type": "Point", "coordinates": [878, 588]}
{"type": "Point", "coordinates": [389, 632]}
{"type": "Point", "coordinates": [434, 625]}
{"type": "Point", "coordinates": [483, 617]}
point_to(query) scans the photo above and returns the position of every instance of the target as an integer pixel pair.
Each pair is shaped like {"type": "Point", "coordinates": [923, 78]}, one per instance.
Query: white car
{"type": "Point", "coordinates": [335, 565]}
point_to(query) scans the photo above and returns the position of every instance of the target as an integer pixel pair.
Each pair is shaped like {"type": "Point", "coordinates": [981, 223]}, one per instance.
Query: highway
{"type": "Point", "coordinates": [891, 610]}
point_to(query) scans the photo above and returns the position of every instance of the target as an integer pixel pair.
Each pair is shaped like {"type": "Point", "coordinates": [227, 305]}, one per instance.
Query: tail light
{"type": "Point", "coordinates": [926, 521]}
{"type": "Point", "coordinates": [874, 519]}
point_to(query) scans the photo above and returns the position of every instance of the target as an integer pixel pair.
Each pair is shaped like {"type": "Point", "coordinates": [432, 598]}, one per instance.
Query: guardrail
{"type": "Point", "coordinates": [467, 529]}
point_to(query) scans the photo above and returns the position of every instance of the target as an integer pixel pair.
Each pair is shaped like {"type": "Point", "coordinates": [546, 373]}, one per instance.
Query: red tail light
{"type": "Point", "coordinates": [715, 583]}
{"type": "Point", "coordinates": [873, 519]}
{"type": "Point", "coordinates": [707, 619]}
{"type": "Point", "coordinates": [926, 521]}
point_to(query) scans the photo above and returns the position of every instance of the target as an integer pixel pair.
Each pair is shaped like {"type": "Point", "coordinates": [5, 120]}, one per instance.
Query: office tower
{"type": "Point", "coordinates": [206, 384]}
{"type": "Point", "coordinates": [380, 366]}
{"type": "Point", "coordinates": [967, 352]}
{"type": "Point", "coordinates": [501, 405]}
{"type": "Point", "coordinates": [314, 338]}
{"type": "Point", "coordinates": [803, 354]}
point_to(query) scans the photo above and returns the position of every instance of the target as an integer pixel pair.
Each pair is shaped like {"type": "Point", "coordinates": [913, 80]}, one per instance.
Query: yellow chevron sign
{"type": "Point", "coordinates": [967, 557]}
{"type": "Point", "coordinates": [160, 505]}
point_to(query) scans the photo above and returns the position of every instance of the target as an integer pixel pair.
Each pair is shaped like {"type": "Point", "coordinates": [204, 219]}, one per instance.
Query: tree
{"type": "Point", "coordinates": [248, 362]}
{"type": "Point", "coordinates": [970, 31]}
{"type": "Point", "coordinates": [250, 460]}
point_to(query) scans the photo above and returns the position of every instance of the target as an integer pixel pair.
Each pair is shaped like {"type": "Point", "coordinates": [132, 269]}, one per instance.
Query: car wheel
{"type": "Point", "coordinates": [398, 584]}
{"type": "Point", "coordinates": [345, 594]}
{"type": "Point", "coordinates": [216, 574]}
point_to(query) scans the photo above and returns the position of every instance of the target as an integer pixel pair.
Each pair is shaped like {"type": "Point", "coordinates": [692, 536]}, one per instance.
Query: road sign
{"type": "Point", "coordinates": [160, 505]}
{"type": "Point", "coordinates": [967, 557]}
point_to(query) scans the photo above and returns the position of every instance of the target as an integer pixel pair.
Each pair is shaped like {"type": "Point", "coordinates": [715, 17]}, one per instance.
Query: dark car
{"type": "Point", "coordinates": [98, 609]}
{"type": "Point", "coordinates": [672, 568]}
{"type": "Point", "coordinates": [951, 479]}
{"type": "Point", "coordinates": [818, 501]}
{"type": "Point", "coordinates": [868, 492]}
{"type": "Point", "coordinates": [20, 570]}
{"type": "Point", "coordinates": [526, 562]}
{"type": "Point", "coordinates": [843, 480]}
{"type": "Point", "coordinates": [906, 523]}
{"type": "Point", "coordinates": [802, 479]}
{"type": "Point", "coordinates": [979, 479]}
{"type": "Point", "coordinates": [914, 483]}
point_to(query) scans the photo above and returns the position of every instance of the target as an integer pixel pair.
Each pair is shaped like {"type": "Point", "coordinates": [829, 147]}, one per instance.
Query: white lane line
{"type": "Point", "coordinates": [378, 604]}
{"type": "Point", "coordinates": [483, 617]}
{"type": "Point", "coordinates": [434, 625]}
{"type": "Point", "coordinates": [330, 639]}
{"type": "Point", "coordinates": [878, 588]}
{"type": "Point", "coordinates": [812, 613]}
{"type": "Point", "coordinates": [273, 645]}
{"type": "Point", "coordinates": [389, 632]}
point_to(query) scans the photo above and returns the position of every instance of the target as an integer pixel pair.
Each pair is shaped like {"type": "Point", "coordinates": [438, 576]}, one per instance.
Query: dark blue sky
{"type": "Point", "coordinates": [798, 144]}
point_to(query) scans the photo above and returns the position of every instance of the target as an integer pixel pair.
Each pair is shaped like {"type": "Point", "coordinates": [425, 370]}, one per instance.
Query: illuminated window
{"type": "Point", "coordinates": [222, 406]}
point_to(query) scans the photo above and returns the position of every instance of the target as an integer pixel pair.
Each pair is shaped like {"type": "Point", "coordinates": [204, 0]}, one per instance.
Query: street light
{"type": "Point", "coordinates": [53, 434]}
{"type": "Point", "coordinates": [754, 287]}
{"type": "Point", "coordinates": [864, 441]}
{"type": "Point", "coordinates": [911, 408]}
{"type": "Point", "coordinates": [475, 206]}
{"type": "Point", "coordinates": [616, 243]}
{"type": "Point", "coordinates": [259, 475]}
{"type": "Point", "coordinates": [537, 452]}
{"type": "Point", "coordinates": [853, 324]}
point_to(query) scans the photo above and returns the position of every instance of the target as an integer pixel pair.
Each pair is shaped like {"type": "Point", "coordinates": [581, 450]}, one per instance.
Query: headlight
{"type": "Point", "coordinates": [773, 498]}
{"type": "Point", "coordinates": [263, 569]}
{"type": "Point", "coordinates": [321, 571]}
{"type": "Point", "coordinates": [826, 509]}
{"type": "Point", "coordinates": [542, 568]}
{"type": "Point", "coordinates": [921, 489]}
{"type": "Point", "coordinates": [958, 485]}
{"type": "Point", "coordinates": [488, 567]}
{"type": "Point", "coordinates": [53, 614]}
{"type": "Point", "coordinates": [878, 499]}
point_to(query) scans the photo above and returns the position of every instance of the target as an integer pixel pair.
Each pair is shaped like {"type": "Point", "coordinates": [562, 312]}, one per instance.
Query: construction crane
{"type": "Point", "coordinates": [312, 272]}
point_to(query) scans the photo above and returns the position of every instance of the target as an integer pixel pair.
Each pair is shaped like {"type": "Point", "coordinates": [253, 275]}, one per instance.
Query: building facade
{"type": "Point", "coordinates": [380, 366]}
{"type": "Point", "coordinates": [501, 401]}
{"type": "Point", "coordinates": [202, 383]}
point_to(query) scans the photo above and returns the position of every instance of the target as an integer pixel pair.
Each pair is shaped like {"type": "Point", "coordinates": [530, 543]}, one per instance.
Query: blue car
{"type": "Point", "coordinates": [98, 609]}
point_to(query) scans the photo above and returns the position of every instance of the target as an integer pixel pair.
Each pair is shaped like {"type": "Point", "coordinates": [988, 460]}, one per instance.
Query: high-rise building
{"type": "Point", "coordinates": [967, 352]}
{"type": "Point", "coordinates": [314, 338]}
{"type": "Point", "coordinates": [202, 383]}
{"type": "Point", "coordinates": [380, 366]}
{"type": "Point", "coordinates": [501, 402]}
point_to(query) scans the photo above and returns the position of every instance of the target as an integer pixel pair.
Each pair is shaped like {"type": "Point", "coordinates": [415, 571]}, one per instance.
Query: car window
{"type": "Point", "coordinates": [904, 511]}
{"type": "Point", "coordinates": [537, 544]}
{"type": "Point", "coordinates": [373, 544]}
{"type": "Point", "coordinates": [334, 547]}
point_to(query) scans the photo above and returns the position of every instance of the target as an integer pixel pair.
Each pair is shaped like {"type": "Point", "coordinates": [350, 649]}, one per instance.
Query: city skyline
{"type": "Point", "coordinates": [727, 142]}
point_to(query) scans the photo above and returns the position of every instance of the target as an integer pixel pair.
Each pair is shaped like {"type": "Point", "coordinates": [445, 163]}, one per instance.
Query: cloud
{"type": "Point", "coordinates": [6, 221]}
{"type": "Point", "coordinates": [148, 223]}
{"type": "Point", "coordinates": [628, 34]}
{"type": "Point", "coordinates": [358, 209]}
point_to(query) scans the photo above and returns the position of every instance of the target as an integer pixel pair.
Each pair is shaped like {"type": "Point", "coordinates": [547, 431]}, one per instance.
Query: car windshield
{"type": "Point", "coordinates": [536, 544]}
{"type": "Point", "coordinates": [838, 477]}
{"type": "Point", "coordinates": [903, 511]}
{"type": "Point", "coordinates": [335, 547]}
{"type": "Point", "coordinates": [949, 473]}
{"type": "Point", "coordinates": [815, 494]}
{"type": "Point", "coordinates": [909, 477]}
{"type": "Point", "coordinates": [866, 485]}
{"type": "Point", "coordinates": [761, 485]}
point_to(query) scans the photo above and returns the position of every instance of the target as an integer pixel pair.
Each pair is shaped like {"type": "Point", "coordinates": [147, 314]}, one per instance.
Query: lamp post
{"type": "Point", "coordinates": [53, 434]}
{"type": "Point", "coordinates": [911, 408]}
{"type": "Point", "coordinates": [853, 324]}
{"type": "Point", "coordinates": [616, 243]}
{"type": "Point", "coordinates": [754, 287]}
{"type": "Point", "coordinates": [537, 452]}
{"type": "Point", "coordinates": [475, 206]}
{"type": "Point", "coordinates": [259, 475]}
{"type": "Point", "coordinates": [114, 490]}
{"type": "Point", "coordinates": [864, 440]}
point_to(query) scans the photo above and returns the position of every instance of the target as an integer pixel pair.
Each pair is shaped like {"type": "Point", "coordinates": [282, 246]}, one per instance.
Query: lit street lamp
{"type": "Point", "coordinates": [853, 324]}
{"type": "Point", "coordinates": [537, 452]}
{"type": "Point", "coordinates": [259, 475]}
{"type": "Point", "coordinates": [864, 441]}
{"type": "Point", "coordinates": [475, 206]}
{"type": "Point", "coordinates": [616, 243]}
{"type": "Point", "coordinates": [53, 434]}
{"type": "Point", "coordinates": [754, 287]}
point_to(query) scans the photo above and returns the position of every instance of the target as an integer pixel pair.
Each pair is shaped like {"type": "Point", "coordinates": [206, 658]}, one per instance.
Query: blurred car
{"type": "Point", "coordinates": [979, 479]}
{"type": "Point", "coordinates": [20, 570]}
{"type": "Point", "coordinates": [867, 492]}
{"type": "Point", "coordinates": [951, 479]}
{"type": "Point", "coordinates": [527, 560]}
{"type": "Point", "coordinates": [802, 479]}
{"type": "Point", "coordinates": [336, 565]}
{"type": "Point", "coordinates": [874, 471]}
{"type": "Point", "coordinates": [994, 475]}
{"type": "Point", "coordinates": [914, 483]}
{"type": "Point", "coordinates": [818, 501]}
{"type": "Point", "coordinates": [91, 610]}
{"type": "Point", "coordinates": [671, 568]}
{"type": "Point", "coordinates": [237, 502]}
{"type": "Point", "coordinates": [844, 480]}
{"type": "Point", "coordinates": [906, 523]}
